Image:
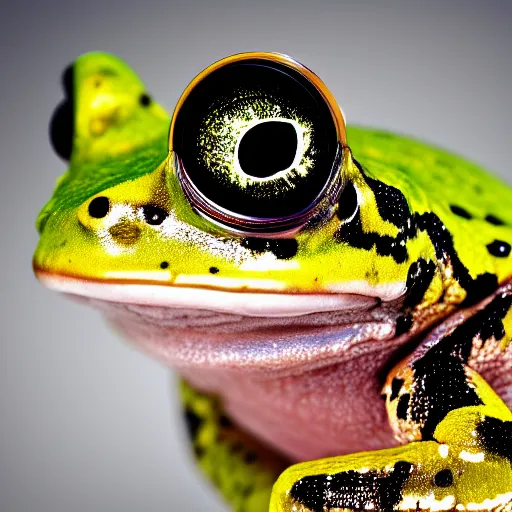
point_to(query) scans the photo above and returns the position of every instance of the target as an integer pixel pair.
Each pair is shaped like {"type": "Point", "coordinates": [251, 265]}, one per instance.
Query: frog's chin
{"type": "Point", "coordinates": [240, 302]}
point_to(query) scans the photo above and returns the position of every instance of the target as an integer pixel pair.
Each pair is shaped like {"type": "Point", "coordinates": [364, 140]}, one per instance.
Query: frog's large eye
{"type": "Point", "coordinates": [257, 140]}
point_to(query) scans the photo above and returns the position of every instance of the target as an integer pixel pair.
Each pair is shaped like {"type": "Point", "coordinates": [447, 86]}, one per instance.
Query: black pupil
{"type": "Point", "coordinates": [99, 207]}
{"type": "Point", "coordinates": [268, 148]}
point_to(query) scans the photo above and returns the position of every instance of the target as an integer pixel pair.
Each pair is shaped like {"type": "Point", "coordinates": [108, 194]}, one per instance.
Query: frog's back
{"type": "Point", "coordinates": [474, 205]}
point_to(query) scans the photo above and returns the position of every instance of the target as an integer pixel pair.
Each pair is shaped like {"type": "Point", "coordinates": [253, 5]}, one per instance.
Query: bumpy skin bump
{"type": "Point", "coordinates": [425, 232]}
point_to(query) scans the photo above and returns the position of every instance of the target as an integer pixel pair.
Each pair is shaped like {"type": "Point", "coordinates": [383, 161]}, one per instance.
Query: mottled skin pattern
{"type": "Point", "coordinates": [423, 235]}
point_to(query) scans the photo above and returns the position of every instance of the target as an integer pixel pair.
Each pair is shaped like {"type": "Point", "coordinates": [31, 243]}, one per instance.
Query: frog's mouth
{"type": "Point", "coordinates": [188, 327]}
{"type": "Point", "coordinates": [242, 302]}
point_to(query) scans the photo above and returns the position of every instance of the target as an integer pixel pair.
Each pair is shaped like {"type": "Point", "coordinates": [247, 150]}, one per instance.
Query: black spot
{"type": "Point", "coordinates": [238, 447]}
{"type": "Point", "coordinates": [352, 234]}
{"type": "Point", "coordinates": [441, 383]}
{"type": "Point", "coordinates": [480, 288]}
{"type": "Point", "coordinates": [402, 407]}
{"type": "Point", "coordinates": [256, 244]}
{"type": "Point", "coordinates": [145, 99]}
{"type": "Point", "coordinates": [419, 277]}
{"type": "Point", "coordinates": [282, 248]}
{"type": "Point", "coordinates": [492, 219]}
{"type": "Point", "coordinates": [442, 386]}
{"type": "Point", "coordinates": [198, 451]}
{"type": "Point", "coordinates": [164, 265]}
{"type": "Point", "coordinates": [225, 422]}
{"type": "Point", "coordinates": [353, 490]}
{"type": "Point", "coordinates": [347, 203]}
{"type": "Point", "coordinates": [250, 458]}
{"type": "Point", "coordinates": [396, 386]}
{"type": "Point", "coordinates": [99, 207]}
{"type": "Point", "coordinates": [443, 478]}
{"type": "Point", "coordinates": [499, 248]}
{"type": "Point", "coordinates": [476, 289]}
{"type": "Point", "coordinates": [496, 436]}
{"type": "Point", "coordinates": [193, 423]}
{"type": "Point", "coordinates": [268, 148]}
{"type": "Point", "coordinates": [403, 324]}
{"type": "Point", "coordinates": [285, 248]}
{"type": "Point", "coordinates": [394, 208]}
{"type": "Point", "coordinates": [391, 203]}
{"type": "Point", "coordinates": [154, 215]}
{"type": "Point", "coordinates": [214, 270]}
{"type": "Point", "coordinates": [460, 212]}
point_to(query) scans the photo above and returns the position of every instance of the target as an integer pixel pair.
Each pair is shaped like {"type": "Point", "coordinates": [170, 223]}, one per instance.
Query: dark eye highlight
{"type": "Point", "coordinates": [256, 143]}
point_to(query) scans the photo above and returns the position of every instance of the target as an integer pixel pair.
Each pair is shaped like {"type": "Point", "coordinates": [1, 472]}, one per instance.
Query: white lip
{"type": "Point", "coordinates": [242, 303]}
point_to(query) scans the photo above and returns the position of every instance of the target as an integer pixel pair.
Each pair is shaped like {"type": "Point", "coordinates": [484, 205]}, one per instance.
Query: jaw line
{"type": "Point", "coordinates": [247, 303]}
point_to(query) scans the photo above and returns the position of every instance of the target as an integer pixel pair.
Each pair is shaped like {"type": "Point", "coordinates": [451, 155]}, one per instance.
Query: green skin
{"type": "Point", "coordinates": [119, 150]}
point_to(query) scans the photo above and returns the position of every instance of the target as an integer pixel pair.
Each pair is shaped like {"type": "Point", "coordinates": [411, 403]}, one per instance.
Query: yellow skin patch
{"type": "Point", "coordinates": [120, 152]}
{"type": "Point", "coordinates": [191, 246]}
{"type": "Point", "coordinates": [481, 481]}
{"type": "Point", "coordinates": [125, 152]}
{"type": "Point", "coordinates": [242, 469]}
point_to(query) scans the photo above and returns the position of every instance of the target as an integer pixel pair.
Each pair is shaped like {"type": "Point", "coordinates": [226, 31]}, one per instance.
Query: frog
{"type": "Point", "coordinates": [336, 299]}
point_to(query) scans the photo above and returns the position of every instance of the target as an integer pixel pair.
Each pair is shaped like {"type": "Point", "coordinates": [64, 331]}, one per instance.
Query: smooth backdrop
{"type": "Point", "coordinates": [86, 423]}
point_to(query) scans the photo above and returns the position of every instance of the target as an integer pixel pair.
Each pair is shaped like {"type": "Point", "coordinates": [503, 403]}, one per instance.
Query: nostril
{"type": "Point", "coordinates": [99, 207]}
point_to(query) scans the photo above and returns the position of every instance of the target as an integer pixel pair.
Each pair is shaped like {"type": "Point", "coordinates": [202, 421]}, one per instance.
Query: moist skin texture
{"type": "Point", "coordinates": [385, 318]}
{"type": "Point", "coordinates": [314, 383]}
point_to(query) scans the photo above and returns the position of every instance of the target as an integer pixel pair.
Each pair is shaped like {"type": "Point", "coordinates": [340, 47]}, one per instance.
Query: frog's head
{"type": "Point", "coordinates": [252, 204]}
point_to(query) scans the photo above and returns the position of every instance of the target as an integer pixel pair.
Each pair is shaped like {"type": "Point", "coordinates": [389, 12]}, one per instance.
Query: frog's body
{"type": "Point", "coordinates": [300, 332]}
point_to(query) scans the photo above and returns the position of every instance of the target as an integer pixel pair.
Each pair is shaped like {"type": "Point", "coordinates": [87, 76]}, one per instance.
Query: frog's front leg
{"type": "Point", "coordinates": [459, 455]}
{"type": "Point", "coordinates": [240, 468]}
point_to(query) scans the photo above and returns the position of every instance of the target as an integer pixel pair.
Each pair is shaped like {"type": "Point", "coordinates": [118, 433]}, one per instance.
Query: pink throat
{"type": "Point", "coordinates": [306, 385]}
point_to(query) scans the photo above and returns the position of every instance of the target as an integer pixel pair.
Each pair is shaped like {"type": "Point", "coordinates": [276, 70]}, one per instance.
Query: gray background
{"type": "Point", "coordinates": [86, 423]}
